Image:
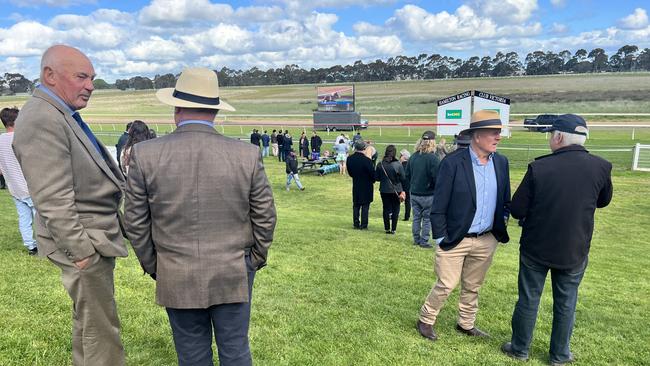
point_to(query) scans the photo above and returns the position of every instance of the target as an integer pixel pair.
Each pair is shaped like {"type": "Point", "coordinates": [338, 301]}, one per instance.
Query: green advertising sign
{"type": "Point", "coordinates": [454, 114]}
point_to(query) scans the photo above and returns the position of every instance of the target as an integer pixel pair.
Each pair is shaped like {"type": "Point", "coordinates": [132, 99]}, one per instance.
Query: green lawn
{"type": "Point", "coordinates": [336, 296]}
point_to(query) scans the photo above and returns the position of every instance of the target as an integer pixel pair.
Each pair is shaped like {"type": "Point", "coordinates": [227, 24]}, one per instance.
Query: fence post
{"type": "Point", "coordinates": [528, 155]}
{"type": "Point", "coordinates": [632, 133]}
{"type": "Point", "coordinates": [379, 130]}
{"type": "Point", "coordinates": [241, 129]}
{"type": "Point", "coordinates": [635, 159]}
{"type": "Point", "coordinates": [409, 132]}
{"type": "Point", "coordinates": [223, 131]}
{"type": "Point", "coordinates": [113, 126]}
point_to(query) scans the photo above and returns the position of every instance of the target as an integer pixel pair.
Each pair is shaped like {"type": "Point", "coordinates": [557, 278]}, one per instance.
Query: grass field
{"type": "Point", "coordinates": [597, 93]}
{"type": "Point", "coordinates": [336, 296]}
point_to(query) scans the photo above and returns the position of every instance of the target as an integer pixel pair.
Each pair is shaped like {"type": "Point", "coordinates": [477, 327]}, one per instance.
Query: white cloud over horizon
{"type": "Point", "coordinates": [167, 35]}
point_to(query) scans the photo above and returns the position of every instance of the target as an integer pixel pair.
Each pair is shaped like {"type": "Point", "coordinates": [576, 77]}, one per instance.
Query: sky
{"type": "Point", "coordinates": [137, 37]}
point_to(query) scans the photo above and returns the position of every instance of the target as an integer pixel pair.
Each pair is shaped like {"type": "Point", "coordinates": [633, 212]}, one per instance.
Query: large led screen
{"type": "Point", "coordinates": [335, 98]}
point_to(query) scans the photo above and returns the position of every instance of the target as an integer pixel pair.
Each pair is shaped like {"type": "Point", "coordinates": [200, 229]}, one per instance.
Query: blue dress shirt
{"type": "Point", "coordinates": [485, 179]}
{"type": "Point", "coordinates": [195, 121]}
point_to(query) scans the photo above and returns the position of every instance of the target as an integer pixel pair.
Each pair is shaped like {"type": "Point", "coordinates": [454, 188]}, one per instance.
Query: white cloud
{"type": "Point", "coordinates": [636, 20]}
{"type": "Point", "coordinates": [184, 11]}
{"type": "Point", "coordinates": [12, 65]}
{"type": "Point", "coordinates": [558, 3]}
{"type": "Point", "coordinates": [367, 28]}
{"type": "Point", "coordinates": [156, 48]}
{"type": "Point", "coordinates": [506, 11]}
{"type": "Point", "coordinates": [223, 38]}
{"type": "Point", "coordinates": [26, 39]}
{"type": "Point", "coordinates": [420, 25]}
{"type": "Point", "coordinates": [559, 28]}
{"type": "Point", "coordinates": [258, 14]}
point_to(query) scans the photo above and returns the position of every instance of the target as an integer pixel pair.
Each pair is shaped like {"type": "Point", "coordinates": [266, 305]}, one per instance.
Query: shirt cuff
{"type": "Point", "coordinates": [439, 240]}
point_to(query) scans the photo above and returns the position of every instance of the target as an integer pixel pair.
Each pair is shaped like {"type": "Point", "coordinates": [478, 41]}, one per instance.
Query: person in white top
{"type": "Point", "coordinates": [16, 181]}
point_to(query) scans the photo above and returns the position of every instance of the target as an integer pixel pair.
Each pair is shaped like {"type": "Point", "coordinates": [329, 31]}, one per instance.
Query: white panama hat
{"type": "Point", "coordinates": [196, 88]}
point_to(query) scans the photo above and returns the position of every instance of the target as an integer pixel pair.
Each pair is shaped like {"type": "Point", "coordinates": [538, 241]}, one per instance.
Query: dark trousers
{"type": "Point", "coordinates": [390, 203]}
{"type": "Point", "coordinates": [407, 206]}
{"type": "Point", "coordinates": [3, 185]}
{"type": "Point", "coordinates": [280, 153]}
{"type": "Point", "coordinates": [532, 276]}
{"type": "Point", "coordinates": [192, 331]}
{"type": "Point", "coordinates": [363, 208]}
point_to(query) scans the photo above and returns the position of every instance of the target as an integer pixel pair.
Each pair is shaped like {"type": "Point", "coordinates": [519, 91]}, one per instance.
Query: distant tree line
{"type": "Point", "coordinates": [627, 58]}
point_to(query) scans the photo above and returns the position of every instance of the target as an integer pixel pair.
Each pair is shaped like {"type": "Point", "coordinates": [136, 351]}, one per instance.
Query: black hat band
{"type": "Point", "coordinates": [486, 123]}
{"type": "Point", "coordinates": [195, 98]}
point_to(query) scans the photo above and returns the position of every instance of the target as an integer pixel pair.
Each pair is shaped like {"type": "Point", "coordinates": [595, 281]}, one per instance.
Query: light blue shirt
{"type": "Point", "coordinates": [341, 148]}
{"type": "Point", "coordinates": [56, 98]}
{"type": "Point", "coordinates": [196, 122]}
{"type": "Point", "coordinates": [485, 179]}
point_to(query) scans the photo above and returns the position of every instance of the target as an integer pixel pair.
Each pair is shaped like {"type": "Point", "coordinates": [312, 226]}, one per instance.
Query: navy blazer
{"type": "Point", "coordinates": [454, 199]}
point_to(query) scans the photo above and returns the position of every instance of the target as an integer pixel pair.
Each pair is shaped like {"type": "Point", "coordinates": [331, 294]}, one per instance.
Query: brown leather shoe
{"type": "Point", "coordinates": [474, 332]}
{"type": "Point", "coordinates": [426, 330]}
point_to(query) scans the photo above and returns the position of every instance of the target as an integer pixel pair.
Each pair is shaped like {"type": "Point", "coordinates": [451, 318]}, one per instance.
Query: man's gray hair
{"type": "Point", "coordinates": [571, 138]}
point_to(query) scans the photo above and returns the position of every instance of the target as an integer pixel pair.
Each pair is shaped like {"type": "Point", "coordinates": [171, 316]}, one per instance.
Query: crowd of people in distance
{"type": "Point", "coordinates": [202, 230]}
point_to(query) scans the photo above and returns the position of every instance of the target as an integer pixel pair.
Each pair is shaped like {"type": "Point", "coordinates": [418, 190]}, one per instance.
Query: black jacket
{"type": "Point", "coordinates": [291, 165]}
{"type": "Point", "coordinates": [393, 179]}
{"type": "Point", "coordinates": [287, 142]}
{"type": "Point", "coordinates": [255, 138]}
{"type": "Point", "coordinates": [316, 143]}
{"type": "Point", "coordinates": [363, 177]}
{"type": "Point", "coordinates": [556, 201]}
{"type": "Point", "coordinates": [454, 199]}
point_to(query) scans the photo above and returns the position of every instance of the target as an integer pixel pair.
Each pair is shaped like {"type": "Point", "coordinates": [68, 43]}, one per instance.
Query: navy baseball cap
{"type": "Point", "coordinates": [569, 123]}
{"type": "Point", "coordinates": [428, 135]}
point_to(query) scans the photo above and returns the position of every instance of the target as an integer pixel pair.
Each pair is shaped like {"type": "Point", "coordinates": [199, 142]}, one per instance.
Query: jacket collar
{"type": "Point", "coordinates": [65, 111]}
{"type": "Point", "coordinates": [195, 127]}
{"type": "Point", "coordinates": [565, 149]}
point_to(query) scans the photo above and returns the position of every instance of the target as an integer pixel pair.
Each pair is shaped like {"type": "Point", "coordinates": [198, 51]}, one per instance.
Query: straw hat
{"type": "Point", "coordinates": [483, 119]}
{"type": "Point", "coordinates": [195, 88]}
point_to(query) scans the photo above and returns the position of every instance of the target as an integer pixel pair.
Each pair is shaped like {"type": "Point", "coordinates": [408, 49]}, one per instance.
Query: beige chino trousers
{"type": "Point", "coordinates": [95, 325]}
{"type": "Point", "coordinates": [468, 264]}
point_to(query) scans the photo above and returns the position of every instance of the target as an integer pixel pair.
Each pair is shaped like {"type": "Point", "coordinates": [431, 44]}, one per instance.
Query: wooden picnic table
{"type": "Point", "coordinates": [314, 165]}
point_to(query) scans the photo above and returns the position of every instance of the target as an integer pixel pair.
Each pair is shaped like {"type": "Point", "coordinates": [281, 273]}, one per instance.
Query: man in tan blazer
{"type": "Point", "coordinates": [200, 215]}
{"type": "Point", "coordinates": [76, 188]}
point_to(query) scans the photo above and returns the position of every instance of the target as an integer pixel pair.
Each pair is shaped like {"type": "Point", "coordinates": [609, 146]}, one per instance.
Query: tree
{"type": "Point", "coordinates": [598, 60]}
{"type": "Point", "coordinates": [536, 63]}
{"type": "Point", "coordinates": [624, 59]}
{"type": "Point", "coordinates": [122, 84]}
{"type": "Point", "coordinates": [643, 61]}
{"type": "Point", "coordinates": [485, 68]}
{"type": "Point", "coordinates": [17, 83]}
{"type": "Point", "coordinates": [165, 81]}
{"type": "Point", "coordinates": [140, 83]}
{"type": "Point", "coordinates": [101, 84]}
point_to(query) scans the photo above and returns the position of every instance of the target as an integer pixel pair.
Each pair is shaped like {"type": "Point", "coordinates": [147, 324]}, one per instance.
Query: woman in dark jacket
{"type": "Point", "coordinates": [391, 177]}
{"type": "Point", "coordinates": [304, 146]}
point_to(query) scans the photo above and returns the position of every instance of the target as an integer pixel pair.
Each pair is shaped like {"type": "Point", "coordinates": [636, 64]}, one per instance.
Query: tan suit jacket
{"type": "Point", "coordinates": [75, 191]}
{"type": "Point", "coordinates": [196, 202]}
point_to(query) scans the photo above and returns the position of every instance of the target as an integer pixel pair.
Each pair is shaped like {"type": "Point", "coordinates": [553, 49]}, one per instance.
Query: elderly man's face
{"type": "Point", "coordinates": [486, 140]}
{"type": "Point", "coordinates": [74, 81]}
